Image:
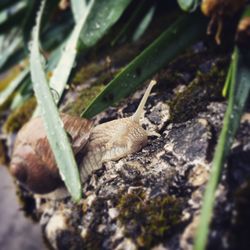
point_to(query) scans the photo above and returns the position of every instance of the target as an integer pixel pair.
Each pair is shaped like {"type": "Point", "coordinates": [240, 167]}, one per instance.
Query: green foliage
{"type": "Point", "coordinates": [239, 91]}
{"type": "Point", "coordinates": [66, 37]}
{"type": "Point", "coordinates": [103, 15]}
{"type": "Point", "coordinates": [8, 91]}
{"type": "Point", "coordinates": [148, 221]}
{"type": "Point", "coordinates": [57, 137]}
{"type": "Point", "coordinates": [188, 5]}
{"type": "Point", "coordinates": [170, 43]}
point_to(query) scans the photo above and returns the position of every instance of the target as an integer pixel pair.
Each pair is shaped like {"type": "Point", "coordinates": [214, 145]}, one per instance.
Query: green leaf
{"type": "Point", "coordinates": [239, 92]}
{"type": "Point", "coordinates": [91, 15]}
{"type": "Point", "coordinates": [144, 24]}
{"type": "Point", "coordinates": [78, 8]}
{"type": "Point", "coordinates": [8, 91]}
{"type": "Point", "coordinates": [172, 41]}
{"type": "Point", "coordinates": [131, 21]}
{"type": "Point", "coordinates": [228, 81]}
{"type": "Point", "coordinates": [103, 15]}
{"type": "Point", "coordinates": [57, 137]}
{"type": "Point", "coordinates": [14, 43]}
{"type": "Point", "coordinates": [66, 63]}
{"type": "Point", "coordinates": [4, 4]}
{"type": "Point", "coordinates": [188, 5]}
{"type": "Point", "coordinates": [22, 93]}
{"type": "Point", "coordinates": [12, 16]}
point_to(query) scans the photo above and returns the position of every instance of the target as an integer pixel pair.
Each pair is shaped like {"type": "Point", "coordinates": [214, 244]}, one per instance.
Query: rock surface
{"type": "Point", "coordinates": [152, 199]}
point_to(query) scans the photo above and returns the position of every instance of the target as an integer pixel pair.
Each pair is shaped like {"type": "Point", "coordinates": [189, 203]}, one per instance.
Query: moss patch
{"type": "Point", "coordinates": [19, 116]}
{"type": "Point", "coordinates": [91, 71]}
{"type": "Point", "coordinates": [205, 87]}
{"type": "Point", "coordinates": [83, 100]}
{"type": "Point", "coordinates": [149, 222]}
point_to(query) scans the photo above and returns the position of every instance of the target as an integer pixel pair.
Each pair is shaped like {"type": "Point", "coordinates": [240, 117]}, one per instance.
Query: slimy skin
{"type": "Point", "coordinates": [115, 139]}
{"type": "Point", "coordinates": [33, 163]}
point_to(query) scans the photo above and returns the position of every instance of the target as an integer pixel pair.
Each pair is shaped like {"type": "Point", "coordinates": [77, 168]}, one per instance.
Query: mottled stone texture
{"type": "Point", "coordinates": [152, 199]}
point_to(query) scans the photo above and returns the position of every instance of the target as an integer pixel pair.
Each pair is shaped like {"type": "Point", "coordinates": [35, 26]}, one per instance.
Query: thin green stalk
{"type": "Point", "coordinates": [239, 92]}
{"type": "Point", "coordinates": [57, 137]}
{"type": "Point", "coordinates": [185, 31]}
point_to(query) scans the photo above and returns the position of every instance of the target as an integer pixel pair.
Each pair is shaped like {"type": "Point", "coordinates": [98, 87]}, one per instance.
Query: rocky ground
{"type": "Point", "coordinates": [152, 199]}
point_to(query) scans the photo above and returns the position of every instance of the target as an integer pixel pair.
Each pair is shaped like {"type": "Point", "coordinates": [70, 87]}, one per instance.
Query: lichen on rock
{"type": "Point", "coordinates": [152, 199]}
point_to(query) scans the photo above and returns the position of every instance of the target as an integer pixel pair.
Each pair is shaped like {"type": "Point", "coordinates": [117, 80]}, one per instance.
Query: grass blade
{"type": "Point", "coordinates": [188, 5]}
{"type": "Point", "coordinates": [103, 15]}
{"type": "Point", "coordinates": [239, 91]}
{"type": "Point", "coordinates": [130, 22]}
{"type": "Point", "coordinates": [7, 3]}
{"type": "Point", "coordinates": [8, 91]}
{"type": "Point", "coordinates": [90, 15]}
{"type": "Point", "coordinates": [12, 16]}
{"type": "Point", "coordinates": [78, 8]}
{"type": "Point", "coordinates": [53, 125]}
{"type": "Point", "coordinates": [14, 45]}
{"type": "Point", "coordinates": [62, 71]}
{"type": "Point", "coordinates": [23, 93]}
{"type": "Point", "coordinates": [143, 25]}
{"type": "Point", "coordinates": [228, 81]}
{"type": "Point", "coordinates": [176, 38]}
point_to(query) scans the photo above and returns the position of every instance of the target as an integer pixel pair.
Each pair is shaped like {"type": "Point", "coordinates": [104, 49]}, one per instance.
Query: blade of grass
{"type": "Point", "coordinates": [23, 93]}
{"type": "Point", "coordinates": [144, 24]}
{"type": "Point", "coordinates": [8, 91]}
{"type": "Point", "coordinates": [78, 8]}
{"type": "Point", "coordinates": [53, 125]}
{"type": "Point", "coordinates": [13, 16]}
{"type": "Point", "coordinates": [239, 91]}
{"type": "Point", "coordinates": [62, 71]}
{"type": "Point", "coordinates": [173, 40]}
{"type": "Point", "coordinates": [188, 5]}
{"type": "Point", "coordinates": [129, 22]}
{"type": "Point", "coordinates": [66, 62]}
{"type": "Point", "coordinates": [7, 3]}
{"type": "Point", "coordinates": [10, 50]}
{"type": "Point", "coordinates": [103, 15]}
{"type": "Point", "coordinates": [92, 14]}
{"type": "Point", "coordinates": [228, 80]}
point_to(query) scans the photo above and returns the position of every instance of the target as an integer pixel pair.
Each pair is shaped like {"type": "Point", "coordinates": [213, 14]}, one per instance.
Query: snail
{"type": "Point", "coordinates": [33, 163]}
{"type": "Point", "coordinates": [218, 10]}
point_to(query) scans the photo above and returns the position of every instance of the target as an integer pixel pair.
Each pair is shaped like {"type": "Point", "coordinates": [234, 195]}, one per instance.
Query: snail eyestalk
{"type": "Point", "coordinates": [136, 116]}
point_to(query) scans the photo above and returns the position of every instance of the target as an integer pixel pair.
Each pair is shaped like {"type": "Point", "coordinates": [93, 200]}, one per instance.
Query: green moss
{"type": "Point", "coordinates": [195, 98]}
{"type": "Point", "coordinates": [83, 100]}
{"type": "Point", "coordinates": [19, 116]}
{"type": "Point", "coordinates": [149, 222]}
{"type": "Point", "coordinates": [87, 72]}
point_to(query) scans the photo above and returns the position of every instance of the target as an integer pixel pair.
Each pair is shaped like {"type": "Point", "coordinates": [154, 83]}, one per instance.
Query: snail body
{"type": "Point", "coordinates": [105, 144]}
{"type": "Point", "coordinates": [33, 163]}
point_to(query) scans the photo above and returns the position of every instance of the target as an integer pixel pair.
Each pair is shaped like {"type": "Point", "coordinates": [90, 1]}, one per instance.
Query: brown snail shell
{"type": "Point", "coordinates": [33, 163]}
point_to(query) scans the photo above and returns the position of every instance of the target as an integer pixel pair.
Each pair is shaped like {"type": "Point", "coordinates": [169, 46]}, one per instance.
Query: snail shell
{"type": "Point", "coordinates": [33, 163]}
